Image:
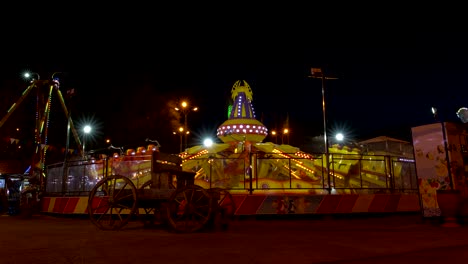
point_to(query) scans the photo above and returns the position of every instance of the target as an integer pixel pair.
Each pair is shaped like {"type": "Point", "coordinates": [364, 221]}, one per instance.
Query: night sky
{"type": "Point", "coordinates": [126, 84]}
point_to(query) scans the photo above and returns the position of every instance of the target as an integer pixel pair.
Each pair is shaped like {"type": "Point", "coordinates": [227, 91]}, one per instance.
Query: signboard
{"type": "Point", "coordinates": [432, 165]}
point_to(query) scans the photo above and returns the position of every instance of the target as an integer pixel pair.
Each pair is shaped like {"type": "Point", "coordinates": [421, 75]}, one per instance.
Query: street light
{"type": "Point", "coordinates": [86, 130]}
{"type": "Point", "coordinates": [29, 75]}
{"type": "Point", "coordinates": [285, 132]}
{"type": "Point", "coordinates": [318, 74]}
{"type": "Point", "coordinates": [339, 137]}
{"type": "Point", "coordinates": [273, 133]}
{"type": "Point", "coordinates": [181, 132]}
{"type": "Point", "coordinates": [462, 113]}
{"type": "Point", "coordinates": [185, 109]}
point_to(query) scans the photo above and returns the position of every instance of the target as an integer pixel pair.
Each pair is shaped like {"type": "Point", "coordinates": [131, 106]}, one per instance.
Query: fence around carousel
{"type": "Point", "coordinates": [263, 183]}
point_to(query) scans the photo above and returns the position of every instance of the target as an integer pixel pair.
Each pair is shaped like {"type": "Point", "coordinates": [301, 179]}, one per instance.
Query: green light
{"type": "Point", "coordinates": [229, 111]}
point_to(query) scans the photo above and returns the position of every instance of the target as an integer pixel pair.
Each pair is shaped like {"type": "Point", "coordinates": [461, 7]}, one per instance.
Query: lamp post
{"type": "Point", "coordinates": [181, 132]}
{"type": "Point", "coordinates": [185, 109]}
{"type": "Point", "coordinates": [86, 129]}
{"type": "Point", "coordinates": [318, 74]}
{"type": "Point", "coordinates": [285, 133]}
{"type": "Point", "coordinates": [273, 133]}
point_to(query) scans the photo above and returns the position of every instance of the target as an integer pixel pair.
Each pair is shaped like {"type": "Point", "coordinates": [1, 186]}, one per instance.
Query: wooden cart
{"type": "Point", "coordinates": [170, 197]}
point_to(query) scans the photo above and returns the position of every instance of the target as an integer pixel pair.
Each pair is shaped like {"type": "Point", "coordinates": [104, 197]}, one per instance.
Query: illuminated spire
{"type": "Point", "coordinates": [241, 124]}
{"type": "Point", "coordinates": [242, 96]}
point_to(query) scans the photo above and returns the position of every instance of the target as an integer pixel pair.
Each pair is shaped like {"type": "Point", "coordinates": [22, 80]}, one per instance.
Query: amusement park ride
{"type": "Point", "coordinates": [242, 164]}
{"type": "Point", "coordinates": [43, 91]}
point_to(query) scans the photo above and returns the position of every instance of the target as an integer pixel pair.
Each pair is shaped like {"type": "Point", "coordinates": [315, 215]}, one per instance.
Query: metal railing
{"type": "Point", "coordinates": [253, 173]}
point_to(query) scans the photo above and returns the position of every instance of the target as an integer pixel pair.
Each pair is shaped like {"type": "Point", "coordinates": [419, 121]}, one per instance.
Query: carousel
{"type": "Point", "coordinates": [244, 162]}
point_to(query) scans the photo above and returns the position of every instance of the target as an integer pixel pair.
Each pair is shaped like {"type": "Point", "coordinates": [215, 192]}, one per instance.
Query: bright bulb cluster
{"type": "Point", "coordinates": [242, 129]}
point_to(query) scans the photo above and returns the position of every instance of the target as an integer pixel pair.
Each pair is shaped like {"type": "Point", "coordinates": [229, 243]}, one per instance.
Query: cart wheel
{"type": "Point", "coordinates": [225, 202]}
{"type": "Point", "coordinates": [147, 184]}
{"type": "Point", "coordinates": [189, 209]}
{"type": "Point", "coordinates": [112, 202]}
{"type": "Point", "coordinates": [225, 207]}
{"type": "Point", "coordinates": [152, 214]}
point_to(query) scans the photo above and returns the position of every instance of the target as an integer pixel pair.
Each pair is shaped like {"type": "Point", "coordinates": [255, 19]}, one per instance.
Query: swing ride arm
{"type": "Point", "coordinates": [16, 104]}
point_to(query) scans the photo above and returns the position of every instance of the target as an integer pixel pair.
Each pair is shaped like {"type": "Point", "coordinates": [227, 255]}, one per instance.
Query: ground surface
{"type": "Point", "coordinates": [382, 239]}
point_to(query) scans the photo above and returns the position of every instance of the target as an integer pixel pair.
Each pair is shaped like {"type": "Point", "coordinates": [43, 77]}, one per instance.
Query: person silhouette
{"type": "Point", "coordinates": [291, 207]}
{"type": "Point", "coordinates": [14, 194]}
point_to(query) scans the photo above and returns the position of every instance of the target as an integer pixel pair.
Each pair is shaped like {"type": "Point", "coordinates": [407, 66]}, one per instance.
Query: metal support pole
{"type": "Point", "coordinates": [181, 142]}
{"type": "Point", "coordinates": [65, 163]}
{"type": "Point", "coordinates": [249, 168]}
{"type": "Point", "coordinates": [446, 148]}
{"type": "Point", "coordinates": [84, 140]}
{"type": "Point", "coordinates": [447, 156]}
{"type": "Point", "coordinates": [318, 73]}
{"type": "Point", "coordinates": [325, 137]}
{"type": "Point", "coordinates": [186, 130]}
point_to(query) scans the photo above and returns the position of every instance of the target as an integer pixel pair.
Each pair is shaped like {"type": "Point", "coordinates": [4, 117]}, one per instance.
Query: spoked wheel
{"type": "Point", "coordinates": [225, 207]}
{"type": "Point", "coordinates": [112, 202]}
{"type": "Point", "coordinates": [225, 202]}
{"type": "Point", "coordinates": [189, 209]}
{"type": "Point", "coordinates": [151, 212]}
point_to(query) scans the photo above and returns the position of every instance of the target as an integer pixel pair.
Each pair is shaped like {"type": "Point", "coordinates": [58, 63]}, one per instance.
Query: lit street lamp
{"type": "Point", "coordinates": [318, 73]}
{"type": "Point", "coordinates": [185, 109]}
{"type": "Point", "coordinates": [339, 137]}
{"type": "Point", "coordinates": [462, 113]}
{"type": "Point", "coordinates": [285, 133]}
{"type": "Point", "coordinates": [273, 133]}
{"type": "Point", "coordinates": [86, 130]}
{"type": "Point", "coordinates": [29, 75]}
{"type": "Point", "coordinates": [181, 132]}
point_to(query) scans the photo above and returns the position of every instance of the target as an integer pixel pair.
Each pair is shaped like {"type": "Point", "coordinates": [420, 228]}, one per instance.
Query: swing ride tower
{"type": "Point", "coordinates": [43, 90]}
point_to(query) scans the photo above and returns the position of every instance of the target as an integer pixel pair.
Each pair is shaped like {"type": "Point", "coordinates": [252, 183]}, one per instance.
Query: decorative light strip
{"type": "Point", "coordinates": [258, 130]}
{"type": "Point", "coordinates": [196, 155]}
{"type": "Point", "coordinates": [298, 163]}
{"type": "Point", "coordinates": [405, 160]}
{"type": "Point", "coordinates": [304, 155]}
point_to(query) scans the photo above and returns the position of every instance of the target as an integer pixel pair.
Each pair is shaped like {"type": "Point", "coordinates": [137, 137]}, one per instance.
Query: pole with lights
{"type": "Point", "coordinates": [273, 133]}
{"type": "Point", "coordinates": [180, 131]}
{"type": "Point", "coordinates": [86, 129]}
{"type": "Point", "coordinates": [185, 108]}
{"type": "Point", "coordinates": [318, 74]}
{"type": "Point", "coordinates": [285, 133]}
